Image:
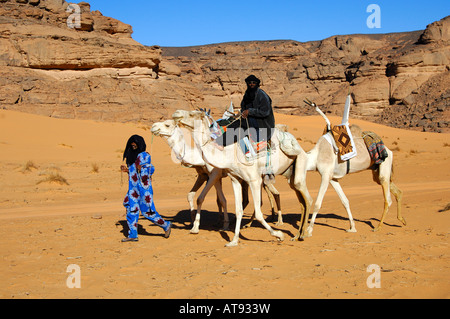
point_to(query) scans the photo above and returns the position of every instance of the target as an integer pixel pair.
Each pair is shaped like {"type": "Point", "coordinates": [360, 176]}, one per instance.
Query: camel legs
{"type": "Point", "coordinates": [222, 203]}
{"type": "Point", "coordinates": [387, 203]}
{"type": "Point", "coordinates": [337, 187]}
{"type": "Point", "coordinates": [253, 215]}
{"type": "Point", "coordinates": [387, 188]}
{"type": "Point", "coordinates": [255, 187]}
{"type": "Point", "coordinates": [344, 200]}
{"type": "Point", "coordinates": [274, 195]}
{"type": "Point", "coordinates": [384, 177]}
{"type": "Point", "coordinates": [298, 183]}
{"type": "Point", "coordinates": [306, 199]}
{"type": "Point", "coordinates": [213, 178]}
{"type": "Point", "coordinates": [322, 190]}
{"type": "Point", "coordinates": [398, 196]}
{"type": "Point", "coordinates": [237, 190]}
{"type": "Point", "coordinates": [245, 200]}
{"type": "Point", "coordinates": [201, 178]}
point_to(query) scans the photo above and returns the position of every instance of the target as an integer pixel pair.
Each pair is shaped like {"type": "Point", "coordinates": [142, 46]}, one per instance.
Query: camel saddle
{"type": "Point", "coordinates": [249, 147]}
{"type": "Point", "coordinates": [343, 139]}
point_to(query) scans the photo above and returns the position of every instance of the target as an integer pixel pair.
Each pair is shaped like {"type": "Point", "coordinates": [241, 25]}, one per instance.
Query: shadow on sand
{"type": "Point", "coordinates": [213, 221]}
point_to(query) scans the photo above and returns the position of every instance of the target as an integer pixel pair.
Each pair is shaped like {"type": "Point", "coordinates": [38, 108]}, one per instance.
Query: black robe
{"type": "Point", "coordinates": [260, 113]}
{"type": "Point", "coordinates": [260, 117]}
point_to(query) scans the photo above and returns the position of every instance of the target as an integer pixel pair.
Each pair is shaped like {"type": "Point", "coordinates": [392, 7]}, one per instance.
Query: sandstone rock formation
{"type": "Point", "coordinates": [383, 73]}
{"type": "Point", "coordinates": [95, 70]}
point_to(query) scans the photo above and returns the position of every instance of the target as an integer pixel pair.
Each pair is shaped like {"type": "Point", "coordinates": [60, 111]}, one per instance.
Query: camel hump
{"type": "Point", "coordinates": [282, 127]}
{"type": "Point", "coordinates": [356, 130]}
{"type": "Point", "coordinates": [288, 143]}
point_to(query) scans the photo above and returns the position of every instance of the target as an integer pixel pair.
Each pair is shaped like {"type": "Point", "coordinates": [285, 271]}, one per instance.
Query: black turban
{"type": "Point", "coordinates": [130, 154]}
{"type": "Point", "coordinates": [250, 93]}
{"type": "Point", "coordinates": [252, 78]}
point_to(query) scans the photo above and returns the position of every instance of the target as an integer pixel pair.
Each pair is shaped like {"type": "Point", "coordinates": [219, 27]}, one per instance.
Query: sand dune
{"type": "Point", "coordinates": [50, 223]}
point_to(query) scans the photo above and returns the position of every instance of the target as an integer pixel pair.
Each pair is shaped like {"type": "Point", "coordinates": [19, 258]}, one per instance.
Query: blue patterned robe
{"type": "Point", "coordinates": [139, 197]}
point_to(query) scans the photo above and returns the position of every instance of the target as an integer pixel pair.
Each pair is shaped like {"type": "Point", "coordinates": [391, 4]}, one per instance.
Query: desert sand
{"type": "Point", "coordinates": [48, 225]}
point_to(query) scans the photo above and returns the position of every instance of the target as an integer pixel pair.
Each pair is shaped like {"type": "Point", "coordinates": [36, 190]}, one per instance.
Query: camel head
{"type": "Point", "coordinates": [179, 116]}
{"type": "Point", "coordinates": [165, 128]}
{"type": "Point", "coordinates": [197, 122]}
{"type": "Point", "coordinates": [188, 118]}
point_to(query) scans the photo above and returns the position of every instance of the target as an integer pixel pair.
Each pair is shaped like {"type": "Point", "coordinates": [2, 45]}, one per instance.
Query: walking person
{"type": "Point", "coordinates": [139, 197]}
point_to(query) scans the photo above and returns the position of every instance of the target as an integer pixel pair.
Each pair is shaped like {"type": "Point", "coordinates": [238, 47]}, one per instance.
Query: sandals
{"type": "Point", "coordinates": [167, 233]}
{"type": "Point", "coordinates": [129, 239]}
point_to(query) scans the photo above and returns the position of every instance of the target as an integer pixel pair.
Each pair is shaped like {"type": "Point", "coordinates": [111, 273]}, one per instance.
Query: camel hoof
{"type": "Point", "coordinates": [351, 230]}
{"type": "Point", "coordinates": [376, 229]}
{"type": "Point", "coordinates": [403, 221]}
{"type": "Point", "coordinates": [297, 238]}
{"type": "Point", "coordinates": [194, 231]}
{"type": "Point", "coordinates": [308, 232]}
{"type": "Point", "coordinates": [231, 244]}
{"type": "Point", "coordinates": [279, 235]}
{"type": "Point", "coordinates": [279, 224]}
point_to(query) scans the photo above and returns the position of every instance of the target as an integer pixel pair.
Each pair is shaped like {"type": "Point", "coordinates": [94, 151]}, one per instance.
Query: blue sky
{"type": "Point", "coordinates": [199, 22]}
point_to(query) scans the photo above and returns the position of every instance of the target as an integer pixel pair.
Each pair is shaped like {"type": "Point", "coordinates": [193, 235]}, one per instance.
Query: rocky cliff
{"type": "Point", "coordinates": [97, 71]}
{"type": "Point", "coordinates": [93, 71]}
{"type": "Point", "coordinates": [400, 79]}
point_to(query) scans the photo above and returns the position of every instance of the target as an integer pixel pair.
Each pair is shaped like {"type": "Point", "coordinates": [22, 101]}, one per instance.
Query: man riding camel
{"type": "Point", "coordinates": [257, 116]}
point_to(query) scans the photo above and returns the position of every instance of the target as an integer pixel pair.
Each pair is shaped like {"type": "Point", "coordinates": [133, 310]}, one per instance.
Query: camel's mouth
{"type": "Point", "coordinates": [160, 131]}
{"type": "Point", "coordinates": [155, 130]}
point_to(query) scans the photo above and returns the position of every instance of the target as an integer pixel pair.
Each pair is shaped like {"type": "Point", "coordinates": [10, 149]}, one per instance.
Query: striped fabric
{"type": "Point", "coordinates": [375, 146]}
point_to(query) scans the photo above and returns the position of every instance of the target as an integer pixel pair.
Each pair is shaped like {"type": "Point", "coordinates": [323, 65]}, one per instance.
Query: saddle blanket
{"type": "Point", "coordinates": [375, 146]}
{"type": "Point", "coordinates": [252, 149]}
{"type": "Point", "coordinates": [217, 130]}
{"type": "Point", "coordinates": [343, 140]}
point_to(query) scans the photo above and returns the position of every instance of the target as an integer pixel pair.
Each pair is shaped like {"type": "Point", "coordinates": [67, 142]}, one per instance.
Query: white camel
{"type": "Point", "coordinates": [191, 157]}
{"type": "Point", "coordinates": [232, 160]}
{"type": "Point", "coordinates": [324, 159]}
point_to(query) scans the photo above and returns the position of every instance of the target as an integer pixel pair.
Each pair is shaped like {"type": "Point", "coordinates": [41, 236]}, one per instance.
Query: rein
{"type": "Point", "coordinates": [208, 140]}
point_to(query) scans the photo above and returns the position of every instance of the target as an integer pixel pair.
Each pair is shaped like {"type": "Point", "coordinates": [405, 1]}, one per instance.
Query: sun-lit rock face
{"type": "Point", "coordinates": [91, 68]}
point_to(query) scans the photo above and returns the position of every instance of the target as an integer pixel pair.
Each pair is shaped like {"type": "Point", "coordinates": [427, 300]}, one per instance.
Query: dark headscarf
{"type": "Point", "coordinates": [130, 154]}
{"type": "Point", "coordinates": [250, 93]}
{"type": "Point", "coordinates": [252, 78]}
